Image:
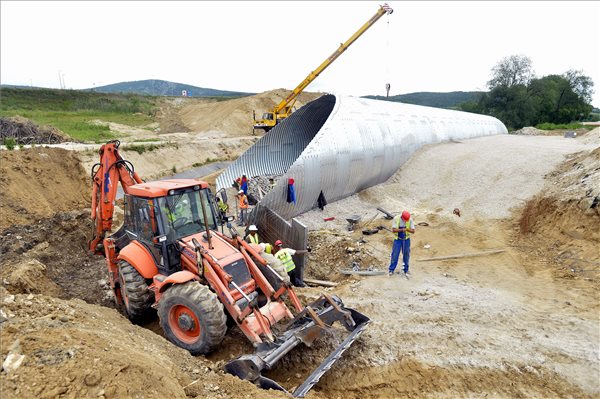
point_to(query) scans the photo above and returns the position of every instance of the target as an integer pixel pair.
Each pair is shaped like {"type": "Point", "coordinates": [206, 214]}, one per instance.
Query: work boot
{"type": "Point", "coordinates": [390, 274]}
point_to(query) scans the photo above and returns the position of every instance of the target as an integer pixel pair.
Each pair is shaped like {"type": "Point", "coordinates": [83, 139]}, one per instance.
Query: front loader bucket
{"type": "Point", "coordinates": [310, 324]}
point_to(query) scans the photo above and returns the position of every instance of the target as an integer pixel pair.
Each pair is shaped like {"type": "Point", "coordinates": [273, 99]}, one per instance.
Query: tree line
{"type": "Point", "coordinates": [518, 98]}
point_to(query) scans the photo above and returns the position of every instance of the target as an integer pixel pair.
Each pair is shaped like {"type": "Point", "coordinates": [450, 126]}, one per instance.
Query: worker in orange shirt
{"type": "Point", "coordinates": [243, 204]}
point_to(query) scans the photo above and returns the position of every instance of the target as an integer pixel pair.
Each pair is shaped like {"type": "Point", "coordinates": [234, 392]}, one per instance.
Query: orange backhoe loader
{"type": "Point", "coordinates": [170, 256]}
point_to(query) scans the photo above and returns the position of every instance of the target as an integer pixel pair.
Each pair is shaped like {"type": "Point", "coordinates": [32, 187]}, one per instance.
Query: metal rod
{"type": "Point", "coordinates": [206, 227]}
{"type": "Point", "coordinates": [246, 297]}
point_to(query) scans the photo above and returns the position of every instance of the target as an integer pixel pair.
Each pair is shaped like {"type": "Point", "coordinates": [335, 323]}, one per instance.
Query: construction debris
{"type": "Point", "coordinates": [470, 255]}
{"type": "Point", "coordinates": [320, 282]}
{"type": "Point", "coordinates": [23, 132]}
{"type": "Point", "coordinates": [363, 272]}
{"type": "Point", "coordinates": [388, 216]}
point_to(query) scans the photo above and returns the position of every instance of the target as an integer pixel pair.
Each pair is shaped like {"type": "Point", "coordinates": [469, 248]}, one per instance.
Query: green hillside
{"type": "Point", "coordinates": [153, 87]}
{"type": "Point", "coordinates": [72, 111]}
{"type": "Point", "coordinates": [449, 100]}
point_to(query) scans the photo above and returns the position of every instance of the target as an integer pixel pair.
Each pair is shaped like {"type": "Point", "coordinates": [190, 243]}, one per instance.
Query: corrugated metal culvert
{"type": "Point", "coordinates": [342, 145]}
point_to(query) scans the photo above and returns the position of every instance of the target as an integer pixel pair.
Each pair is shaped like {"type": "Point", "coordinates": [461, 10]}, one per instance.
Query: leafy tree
{"type": "Point", "coordinates": [519, 99]}
{"type": "Point", "coordinates": [559, 102]}
{"type": "Point", "coordinates": [511, 71]}
{"type": "Point", "coordinates": [582, 85]}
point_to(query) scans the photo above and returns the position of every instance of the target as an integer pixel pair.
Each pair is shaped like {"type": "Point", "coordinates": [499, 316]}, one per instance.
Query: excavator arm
{"type": "Point", "coordinates": [106, 175]}
{"type": "Point", "coordinates": [284, 108]}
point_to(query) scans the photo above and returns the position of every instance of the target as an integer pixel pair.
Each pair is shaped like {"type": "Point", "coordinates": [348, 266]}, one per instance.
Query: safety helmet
{"type": "Point", "coordinates": [278, 243]}
{"type": "Point", "coordinates": [252, 228]}
{"type": "Point", "coordinates": [241, 192]}
{"type": "Point", "coordinates": [405, 215]}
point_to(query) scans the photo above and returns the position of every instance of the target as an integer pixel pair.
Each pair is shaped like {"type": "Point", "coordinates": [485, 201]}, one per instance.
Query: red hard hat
{"type": "Point", "coordinates": [278, 243]}
{"type": "Point", "coordinates": [405, 215]}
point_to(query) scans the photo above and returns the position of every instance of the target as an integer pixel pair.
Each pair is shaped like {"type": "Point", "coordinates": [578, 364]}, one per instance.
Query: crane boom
{"type": "Point", "coordinates": [284, 108]}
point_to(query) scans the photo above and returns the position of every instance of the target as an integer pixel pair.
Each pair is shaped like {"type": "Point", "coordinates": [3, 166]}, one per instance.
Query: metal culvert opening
{"type": "Point", "coordinates": [277, 150]}
{"type": "Point", "coordinates": [339, 146]}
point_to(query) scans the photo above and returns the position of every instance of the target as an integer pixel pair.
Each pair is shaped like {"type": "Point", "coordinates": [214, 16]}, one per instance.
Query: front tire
{"type": "Point", "coordinates": [137, 298]}
{"type": "Point", "coordinates": [192, 317]}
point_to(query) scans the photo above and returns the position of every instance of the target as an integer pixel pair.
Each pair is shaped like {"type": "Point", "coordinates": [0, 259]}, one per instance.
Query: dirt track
{"type": "Point", "coordinates": [522, 323]}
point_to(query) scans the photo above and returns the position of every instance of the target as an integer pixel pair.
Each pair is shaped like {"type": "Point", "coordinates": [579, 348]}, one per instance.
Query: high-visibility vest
{"type": "Point", "coordinates": [398, 223]}
{"type": "Point", "coordinates": [222, 206]}
{"type": "Point", "coordinates": [268, 248]}
{"type": "Point", "coordinates": [173, 216]}
{"type": "Point", "coordinates": [253, 238]}
{"type": "Point", "coordinates": [243, 202]}
{"type": "Point", "coordinates": [286, 260]}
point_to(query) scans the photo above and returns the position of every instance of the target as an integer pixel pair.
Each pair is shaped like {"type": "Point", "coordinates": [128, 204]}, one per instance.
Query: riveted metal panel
{"type": "Point", "coordinates": [342, 145]}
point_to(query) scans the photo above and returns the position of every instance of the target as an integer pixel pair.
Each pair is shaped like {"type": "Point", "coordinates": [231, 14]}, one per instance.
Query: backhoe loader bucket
{"type": "Point", "coordinates": [310, 324]}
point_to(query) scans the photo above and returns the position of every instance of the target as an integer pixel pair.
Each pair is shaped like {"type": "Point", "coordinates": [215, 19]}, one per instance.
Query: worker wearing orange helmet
{"type": "Point", "coordinates": [403, 226]}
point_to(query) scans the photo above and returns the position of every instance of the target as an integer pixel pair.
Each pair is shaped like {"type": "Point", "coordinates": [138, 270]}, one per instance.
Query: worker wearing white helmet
{"type": "Point", "coordinates": [252, 237]}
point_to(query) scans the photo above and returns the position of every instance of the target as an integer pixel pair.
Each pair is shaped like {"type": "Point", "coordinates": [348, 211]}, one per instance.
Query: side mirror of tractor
{"type": "Point", "coordinates": [230, 219]}
{"type": "Point", "coordinates": [159, 239]}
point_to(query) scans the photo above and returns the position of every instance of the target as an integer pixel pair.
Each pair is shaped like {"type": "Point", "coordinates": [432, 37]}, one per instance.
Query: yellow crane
{"type": "Point", "coordinates": [284, 108]}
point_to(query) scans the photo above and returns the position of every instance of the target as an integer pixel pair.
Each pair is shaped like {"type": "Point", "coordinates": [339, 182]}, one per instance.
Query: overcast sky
{"type": "Point", "coordinates": [257, 46]}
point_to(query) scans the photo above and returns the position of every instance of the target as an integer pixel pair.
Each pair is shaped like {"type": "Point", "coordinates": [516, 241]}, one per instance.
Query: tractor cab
{"type": "Point", "coordinates": [158, 214]}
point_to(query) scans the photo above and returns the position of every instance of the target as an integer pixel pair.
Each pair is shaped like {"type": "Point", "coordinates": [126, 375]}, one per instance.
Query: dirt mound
{"type": "Point", "coordinates": [529, 131]}
{"type": "Point", "coordinates": [36, 183]}
{"type": "Point", "coordinates": [533, 131]}
{"type": "Point", "coordinates": [334, 251]}
{"type": "Point", "coordinates": [73, 350]}
{"type": "Point", "coordinates": [408, 378]}
{"type": "Point", "coordinates": [591, 137]}
{"type": "Point", "coordinates": [565, 218]}
{"type": "Point", "coordinates": [53, 252]}
{"type": "Point", "coordinates": [235, 116]}
{"type": "Point", "coordinates": [23, 131]}
{"type": "Point", "coordinates": [28, 276]}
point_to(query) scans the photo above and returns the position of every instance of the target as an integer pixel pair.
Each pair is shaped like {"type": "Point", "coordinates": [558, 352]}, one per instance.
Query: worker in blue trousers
{"type": "Point", "coordinates": [403, 226]}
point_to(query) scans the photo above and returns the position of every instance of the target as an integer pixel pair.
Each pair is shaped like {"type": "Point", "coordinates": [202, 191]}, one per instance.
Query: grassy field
{"type": "Point", "coordinates": [563, 126]}
{"type": "Point", "coordinates": [73, 111]}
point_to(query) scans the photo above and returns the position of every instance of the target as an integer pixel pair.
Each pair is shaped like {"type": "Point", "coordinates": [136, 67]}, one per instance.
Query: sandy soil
{"type": "Point", "coordinates": [521, 323]}
{"type": "Point", "coordinates": [235, 117]}
{"type": "Point", "coordinates": [484, 177]}
{"type": "Point", "coordinates": [36, 183]}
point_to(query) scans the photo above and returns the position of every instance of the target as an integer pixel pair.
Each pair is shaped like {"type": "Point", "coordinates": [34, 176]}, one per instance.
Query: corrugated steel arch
{"type": "Point", "coordinates": [342, 145]}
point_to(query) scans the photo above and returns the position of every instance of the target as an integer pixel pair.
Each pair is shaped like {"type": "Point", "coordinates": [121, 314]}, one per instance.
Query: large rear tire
{"type": "Point", "coordinates": [192, 317]}
{"type": "Point", "coordinates": [137, 298]}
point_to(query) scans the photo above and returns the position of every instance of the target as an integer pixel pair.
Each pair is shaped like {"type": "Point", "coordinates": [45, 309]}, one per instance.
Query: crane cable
{"type": "Point", "coordinates": [387, 58]}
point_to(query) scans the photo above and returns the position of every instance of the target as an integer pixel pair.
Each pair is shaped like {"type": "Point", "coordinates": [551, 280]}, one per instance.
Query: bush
{"type": "Point", "coordinates": [555, 126]}
{"type": "Point", "coordinates": [10, 143]}
{"type": "Point", "coordinates": [140, 149]}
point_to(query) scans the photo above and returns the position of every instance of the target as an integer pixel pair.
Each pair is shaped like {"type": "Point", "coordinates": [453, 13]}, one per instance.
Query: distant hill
{"type": "Point", "coordinates": [153, 87]}
{"type": "Point", "coordinates": [432, 99]}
